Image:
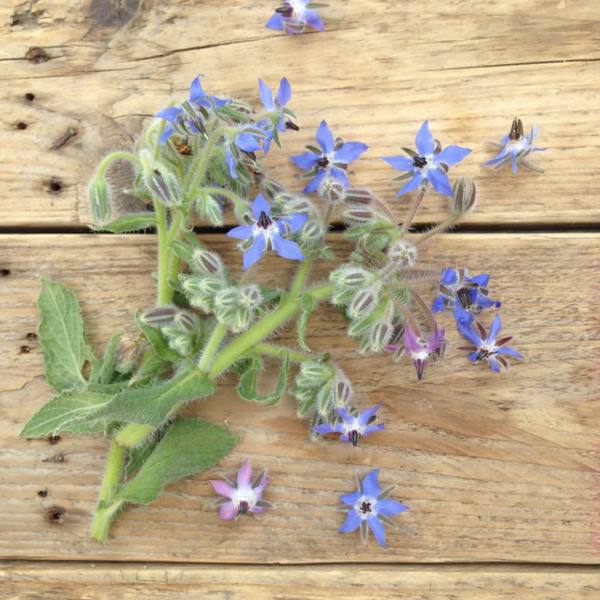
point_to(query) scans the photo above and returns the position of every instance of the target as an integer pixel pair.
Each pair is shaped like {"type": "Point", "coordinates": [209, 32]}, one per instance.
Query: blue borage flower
{"type": "Point", "coordinates": [352, 426]}
{"type": "Point", "coordinates": [427, 165]}
{"type": "Point", "coordinates": [293, 17]}
{"type": "Point", "coordinates": [487, 348]}
{"type": "Point", "coordinates": [275, 120]}
{"type": "Point", "coordinates": [332, 162]}
{"type": "Point", "coordinates": [243, 496]}
{"type": "Point", "coordinates": [421, 350]}
{"type": "Point", "coordinates": [269, 231]}
{"type": "Point", "coordinates": [465, 296]}
{"type": "Point", "coordinates": [369, 509]}
{"type": "Point", "coordinates": [248, 140]}
{"type": "Point", "coordinates": [190, 114]}
{"type": "Point", "coordinates": [516, 148]}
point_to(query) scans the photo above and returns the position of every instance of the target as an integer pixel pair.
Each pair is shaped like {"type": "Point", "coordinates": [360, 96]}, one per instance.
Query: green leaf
{"type": "Point", "coordinates": [308, 306]}
{"type": "Point", "coordinates": [110, 360]}
{"type": "Point", "coordinates": [247, 385]}
{"type": "Point", "coordinates": [189, 447]}
{"type": "Point", "coordinates": [138, 455]}
{"type": "Point", "coordinates": [62, 337]}
{"type": "Point", "coordinates": [68, 412]}
{"type": "Point", "coordinates": [131, 222]}
{"type": "Point", "coordinates": [151, 405]}
{"type": "Point", "coordinates": [183, 251]}
{"type": "Point", "coordinates": [157, 341]}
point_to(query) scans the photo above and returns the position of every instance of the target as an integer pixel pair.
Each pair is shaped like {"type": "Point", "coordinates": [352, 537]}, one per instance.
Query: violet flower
{"type": "Point", "coordinates": [427, 165]}
{"type": "Point", "coordinates": [331, 162]}
{"type": "Point", "coordinates": [420, 350]}
{"type": "Point", "coordinates": [294, 16]}
{"type": "Point", "coordinates": [243, 496]}
{"type": "Point", "coordinates": [487, 349]}
{"type": "Point", "coordinates": [370, 510]}
{"type": "Point", "coordinates": [516, 148]}
{"type": "Point", "coordinates": [352, 427]}
{"type": "Point", "coordinates": [269, 231]}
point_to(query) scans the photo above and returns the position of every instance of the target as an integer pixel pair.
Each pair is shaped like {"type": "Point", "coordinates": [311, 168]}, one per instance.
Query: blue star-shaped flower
{"type": "Point", "coordinates": [294, 16]}
{"type": "Point", "coordinates": [248, 141]}
{"type": "Point", "coordinates": [269, 231]}
{"type": "Point", "coordinates": [368, 508]}
{"type": "Point", "coordinates": [352, 426]}
{"type": "Point", "coordinates": [426, 165]}
{"type": "Point", "coordinates": [275, 108]}
{"type": "Point", "coordinates": [188, 112]}
{"type": "Point", "coordinates": [332, 162]}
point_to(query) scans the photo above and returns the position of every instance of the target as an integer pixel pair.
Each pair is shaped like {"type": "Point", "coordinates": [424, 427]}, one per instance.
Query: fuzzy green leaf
{"type": "Point", "coordinates": [189, 447]}
{"type": "Point", "coordinates": [131, 222]}
{"type": "Point", "coordinates": [110, 360]}
{"type": "Point", "coordinates": [157, 341]}
{"type": "Point", "coordinates": [247, 385]}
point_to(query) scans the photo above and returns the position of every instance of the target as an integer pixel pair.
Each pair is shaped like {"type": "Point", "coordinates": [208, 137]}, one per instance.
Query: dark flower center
{"type": "Point", "coordinates": [354, 437]}
{"type": "Point", "coordinates": [243, 508]}
{"type": "Point", "coordinates": [420, 162]}
{"type": "Point", "coordinates": [286, 10]}
{"type": "Point", "coordinates": [263, 221]}
{"type": "Point", "coordinates": [365, 507]}
{"type": "Point", "coordinates": [291, 125]}
{"type": "Point", "coordinates": [516, 130]}
{"type": "Point", "coordinates": [465, 298]}
{"type": "Point", "coordinates": [483, 354]}
{"type": "Point", "coordinates": [322, 162]}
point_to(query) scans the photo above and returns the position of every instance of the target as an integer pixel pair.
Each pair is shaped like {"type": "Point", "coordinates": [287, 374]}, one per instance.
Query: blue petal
{"type": "Point", "coordinates": [462, 316]}
{"type": "Point", "coordinates": [349, 152]}
{"type": "Point", "coordinates": [514, 162]}
{"type": "Point", "coordinates": [452, 155]}
{"type": "Point", "coordinates": [315, 183]}
{"type": "Point", "coordinates": [323, 429]}
{"type": "Point", "coordinates": [305, 161]}
{"type": "Point", "coordinates": [339, 174]}
{"type": "Point", "coordinates": [284, 94]}
{"type": "Point", "coordinates": [351, 523]}
{"type": "Point", "coordinates": [496, 159]}
{"type": "Point", "coordinates": [252, 255]}
{"type": "Point", "coordinates": [485, 302]}
{"type": "Point", "coordinates": [260, 205]}
{"type": "Point", "coordinates": [247, 142]}
{"type": "Point", "coordinates": [275, 22]}
{"type": "Point", "coordinates": [169, 114]}
{"type": "Point", "coordinates": [494, 329]}
{"type": "Point", "coordinates": [295, 222]}
{"type": "Point", "coordinates": [372, 429]}
{"type": "Point", "coordinates": [243, 232]}
{"type": "Point", "coordinates": [325, 138]}
{"type": "Point", "coordinates": [413, 184]}
{"type": "Point", "coordinates": [166, 134]}
{"type": "Point", "coordinates": [470, 334]}
{"type": "Point", "coordinates": [196, 91]}
{"type": "Point", "coordinates": [401, 163]}
{"type": "Point", "coordinates": [313, 18]}
{"type": "Point", "coordinates": [481, 280]}
{"type": "Point", "coordinates": [371, 486]}
{"type": "Point", "coordinates": [351, 499]}
{"type": "Point", "coordinates": [449, 277]}
{"type": "Point", "coordinates": [366, 414]}
{"type": "Point", "coordinates": [231, 163]}
{"type": "Point", "coordinates": [378, 530]}
{"type": "Point", "coordinates": [440, 182]}
{"type": "Point", "coordinates": [494, 364]}
{"type": "Point", "coordinates": [509, 351]}
{"type": "Point", "coordinates": [390, 507]}
{"type": "Point", "coordinates": [438, 305]}
{"type": "Point", "coordinates": [266, 96]}
{"type": "Point", "coordinates": [286, 248]}
{"type": "Point", "coordinates": [424, 140]}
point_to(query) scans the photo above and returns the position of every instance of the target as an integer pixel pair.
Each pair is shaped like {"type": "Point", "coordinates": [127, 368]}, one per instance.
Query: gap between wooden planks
{"type": "Point", "coordinates": [106, 581]}
{"type": "Point", "coordinates": [495, 468]}
{"type": "Point", "coordinates": [371, 77]}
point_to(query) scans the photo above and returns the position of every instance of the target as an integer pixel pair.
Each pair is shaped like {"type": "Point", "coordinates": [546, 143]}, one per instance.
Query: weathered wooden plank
{"type": "Point", "coordinates": [493, 467]}
{"type": "Point", "coordinates": [375, 77]}
{"type": "Point", "coordinates": [100, 581]}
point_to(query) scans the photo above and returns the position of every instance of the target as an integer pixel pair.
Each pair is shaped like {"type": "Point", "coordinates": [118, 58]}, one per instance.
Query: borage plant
{"type": "Point", "coordinates": [199, 154]}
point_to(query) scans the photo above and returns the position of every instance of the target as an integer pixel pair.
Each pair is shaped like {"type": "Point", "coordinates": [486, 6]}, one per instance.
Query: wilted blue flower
{"type": "Point", "coordinates": [294, 16]}
{"type": "Point", "coordinates": [190, 113]}
{"type": "Point", "coordinates": [352, 426]}
{"type": "Point", "coordinates": [243, 496]}
{"type": "Point", "coordinates": [331, 162]}
{"type": "Point", "coordinates": [487, 349]}
{"type": "Point", "coordinates": [370, 509]}
{"type": "Point", "coordinates": [516, 147]}
{"type": "Point", "coordinates": [427, 165]}
{"type": "Point", "coordinates": [422, 350]}
{"type": "Point", "coordinates": [267, 230]}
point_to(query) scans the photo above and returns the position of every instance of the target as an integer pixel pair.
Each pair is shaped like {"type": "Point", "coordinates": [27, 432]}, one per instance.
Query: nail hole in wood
{"type": "Point", "coordinates": [20, 125]}
{"type": "Point", "coordinates": [32, 337]}
{"type": "Point", "coordinates": [24, 350]}
{"type": "Point", "coordinates": [5, 272]}
{"type": "Point", "coordinates": [54, 439]}
{"type": "Point", "coordinates": [55, 186]}
{"type": "Point", "coordinates": [56, 515]}
{"type": "Point", "coordinates": [29, 97]}
{"type": "Point", "coordinates": [43, 493]}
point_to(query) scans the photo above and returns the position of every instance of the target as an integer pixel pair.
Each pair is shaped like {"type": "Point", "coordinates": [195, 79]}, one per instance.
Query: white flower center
{"type": "Point", "coordinates": [366, 507]}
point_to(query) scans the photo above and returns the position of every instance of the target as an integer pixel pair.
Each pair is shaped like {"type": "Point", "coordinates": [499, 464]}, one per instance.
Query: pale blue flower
{"type": "Point", "coordinates": [352, 426]}
{"type": "Point", "coordinates": [294, 16]}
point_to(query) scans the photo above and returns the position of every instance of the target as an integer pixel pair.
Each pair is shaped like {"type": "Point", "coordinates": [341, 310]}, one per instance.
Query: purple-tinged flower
{"type": "Point", "coordinates": [487, 349]}
{"type": "Point", "coordinates": [333, 160]}
{"type": "Point", "coordinates": [466, 296]}
{"type": "Point", "coordinates": [352, 426]}
{"type": "Point", "coordinates": [245, 495]}
{"type": "Point", "coordinates": [369, 509]}
{"type": "Point", "coordinates": [516, 148]}
{"type": "Point", "coordinates": [294, 16]}
{"type": "Point", "coordinates": [269, 231]}
{"type": "Point", "coordinates": [420, 350]}
{"type": "Point", "coordinates": [428, 165]}
{"type": "Point", "coordinates": [188, 118]}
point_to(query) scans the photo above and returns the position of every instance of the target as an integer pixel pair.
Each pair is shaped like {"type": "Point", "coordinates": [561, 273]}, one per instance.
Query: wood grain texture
{"type": "Point", "coordinates": [494, 468]}
{"type": "Point", "coordinates": [375, 77]}
{"type": "Point", "coordinates": [107, 581]}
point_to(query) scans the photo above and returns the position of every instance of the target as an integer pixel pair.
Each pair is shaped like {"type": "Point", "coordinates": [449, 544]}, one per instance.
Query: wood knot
{"type": "Point", "coordinates": [56, 515]}
{"type": "Point", "coordinates": [37, 55]}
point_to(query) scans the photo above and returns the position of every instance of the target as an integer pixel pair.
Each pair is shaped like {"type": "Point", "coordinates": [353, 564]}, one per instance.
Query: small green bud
{"type": "Point", "coordinates": [342, 391]}
{"type": "Point", "coordinates": [331, 190]}
{"type": "Point", "coordinates": [351, 277]}
{"type": "Point", "coordinates": [160, 316]}
{"type": "Point", "coordinates": [241, 319]}
{"type": "Point", "coordinates": [209, 262]}
{"type": "Point", "coordinates": [316, 372]}
{"type": "Point", "coordinates": [363, 304]}
{"type": "Point", "coordinates": [163, 184]}
{"type": "Point", "coordinates": [210, 285]}
{"type": "Point", "coordinates": [227, 298]}
{"type": "Point", "coordinates": [187, 322]}
{"type": "Point", "coordinates": [250, 296]}
{"type": "Point", "coordinates": [379, 336]}
{"type": "Point", "coordinates": [305, 407]}
{"type": "Point", "coordinates": [342, 296]}
{"type": "Point", "coordinates": [324, 401]}
{"type": "Point", "coordinates": [403, 253]}
{"type": "Point", "coordinates": [100, 205]}
{"type": "Point", "coordinates": [358, 215]}
{"type": "Point", "coordinates": [312, 231]}
{"type": "Point", "coordinates": [464, 196]}
{"type": "Point", "coordinates": [358, 196]}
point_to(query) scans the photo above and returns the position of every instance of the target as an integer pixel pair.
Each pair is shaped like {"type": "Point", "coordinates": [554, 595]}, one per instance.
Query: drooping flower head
{"type": "Point", "coordinates": [516, 148]}
{"type": "Point", "coordinates": [243, 496]}
{"type": "Point", "coordinates": [352, 426]}
{"type": "Point", "coordinates": [188, 118]}
{"type": "Point", "coordinates": [369, 509]}
{"type": "Point", "coordinates": [248, 139]}
{"type": "Point", "coordinates": [487, 348]}
{"type": "Point", "coordinates": [422, 350]}
{"type": "Point", "coordinates": [277, 116]}
{"type": "Point", "coordinates": [293, 17]}
{"type": "Point", "coordinates": [428, 165]}
{"type": "Point", "coordinates": [269, 232]}
{"type": "Point", "coordinates": [331, 162]}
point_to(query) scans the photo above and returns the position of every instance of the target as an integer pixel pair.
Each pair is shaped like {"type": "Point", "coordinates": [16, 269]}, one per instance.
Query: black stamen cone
{"type": "Point", "coordinates": [243, 507]}
{"type": "Point", "coordinates": [291, 125]}
{"type": "Point", "coordinates": [419, 161]}
{"type": "Point", "coordinates": [354, 437]}
{"type": "Point", "coordinates": [465, 298]}
{"type": "Point", "coordinates": [263, 220]}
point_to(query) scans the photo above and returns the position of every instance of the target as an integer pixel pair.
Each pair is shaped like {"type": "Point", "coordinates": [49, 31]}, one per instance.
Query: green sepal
{"type": "Point", "coordinates": [157, 341]}
{"type": "Point", "coordinates": [109, 362]}
{"type": "Point", "coordinates": [308, 304]}
{"type": "Point", "coordinates": [189, 447]}
{"type": "Point", "coordinates": [183, 251]}
{"type": "Point", "coordinates": [247, 385]}
{"type": "Point", "coordinates": [130, 222]}
{"type": "Point", "coordinates": [327, 253]}
{"type": "Point", "coordinates": [361, 324]}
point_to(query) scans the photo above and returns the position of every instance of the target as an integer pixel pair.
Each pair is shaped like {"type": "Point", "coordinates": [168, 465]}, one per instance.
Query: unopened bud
{"type": "Point", "coordinates": [208, 262]}
{"type": "Point", "coordinates": [342, 392]}
{"type": "Point", "coordinates": [342, 296]}
{"type": "Point", "coordinates": [163, 184]}
{"type": "Point", "coordinates": [305, 407]}
{"type": "Point", "coordinates": [380, 335]}
{"type": "Point", "coordinates": [351, 277]}
{"type": "Point", "coordinates": [160, 316]}
{"type": "Point", "coordinates": [464, 196]}
{"type": "Point", "coordinates": [358, 196]}
{"type": "Point", "coordinates": [250, 296]}
{"type": "Point", "coordinates": [227, 298]}
{"type": "Point", "coordinates": [325, 401]}
{"type": "Point", "coordinates": [403, 253]}
{"type": "Point", "coordinates": [331, 190]}
{"type": "Point", "coordinates": [100, 205]}
{"type": "Point", "coordinates": [187, 322]}
{"type": "Point", "coordinates": [358, 215]}
{"type": "Point", "coordinates": [398, 330]}
{"type": "Point", "coordinates": [271, 188]}
{"type": "Point", "coordinates": [313, 230]}
{"type": "Point", "coordinates": [364, 302]}
{"type": "Point", "coordinates": [316, 371]}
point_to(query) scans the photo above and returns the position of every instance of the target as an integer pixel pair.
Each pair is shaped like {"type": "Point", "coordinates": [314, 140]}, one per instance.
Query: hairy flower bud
{"type": "Point", "coordinates": [363, 304]}
{"type": "Point", "coordinates": [271, 188]}
{"type": "Point", "coordinates": [163, 184]}
{"type": "Point", "coordinates": [380, 335]}
{"type": "Point", "coordinates": [342, 391]}
{"type": "Point", "coordinates": [160, 316]}
{"type": "Point", "coordinates": [404, 253]}
{"type": "Point", "coordinates": [324, 401]}
{"type": "Point", "coordinates": [187, 322]}
{"type": "Point", "coordinates": [315, 371]}
{"type": "Point", "coordinates": [464, 196]}
{"type": "Point", "coordinates": [250, 296]}
{"type": "Point", "coordinates": [227, 298]}
{"type": "Point", "coordinates": [331, 190]}
{"type": "Point", "coordinates": [208, 262]}
{"type": "Point", "coordinates": [312, 231]}
{"type": "Point", "coordinates": [305, 407]}
{"type": "Point", "coordinates": [100, 205]}
{"type": "Point", "coordinates": [241, 319]}
{"type": "Point", "coordinates": [351, 277]}
{"type": "Point", "coordinates": [358, 215]}
{"type": "Point", "coordinates": [358, 196]}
